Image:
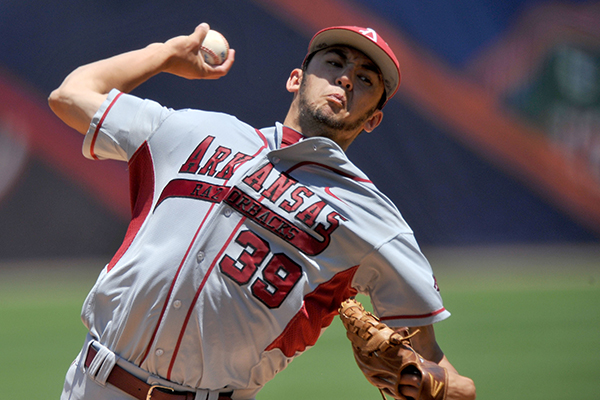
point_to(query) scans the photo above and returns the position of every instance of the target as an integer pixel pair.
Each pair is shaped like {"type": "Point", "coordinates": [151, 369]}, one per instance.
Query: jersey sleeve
{"type": "Point", "coordinates": [121, 125]}
{"type": "Point", "coordinates": [400, 282]}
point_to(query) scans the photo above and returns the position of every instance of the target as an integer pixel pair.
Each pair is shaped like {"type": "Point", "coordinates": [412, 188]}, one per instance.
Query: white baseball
{"type": "Point", "coordinates": [214, 48]}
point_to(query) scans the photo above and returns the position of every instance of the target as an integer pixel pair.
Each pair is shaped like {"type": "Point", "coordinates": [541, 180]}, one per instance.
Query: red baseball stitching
{"type": "Point", "coordinates": [211, 53]}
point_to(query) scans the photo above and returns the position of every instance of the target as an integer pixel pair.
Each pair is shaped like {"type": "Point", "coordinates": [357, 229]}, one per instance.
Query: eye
{"type": "Point", "coordinates": [334, 63]}
{"type": "Point", "coordinates": [366, 79]}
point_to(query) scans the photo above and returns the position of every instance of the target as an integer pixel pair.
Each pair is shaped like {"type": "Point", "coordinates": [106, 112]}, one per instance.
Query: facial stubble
{"type": "Point", "coordinates": [315, 120]}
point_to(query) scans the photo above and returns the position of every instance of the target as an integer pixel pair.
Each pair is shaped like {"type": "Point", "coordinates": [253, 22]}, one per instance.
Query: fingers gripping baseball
{"type": "Point", "coordinates": [186, 60]}
{"type": "Point", "coordinates": [387, 359]}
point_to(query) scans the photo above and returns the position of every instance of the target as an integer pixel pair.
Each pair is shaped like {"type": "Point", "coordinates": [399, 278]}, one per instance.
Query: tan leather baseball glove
{"type": "Point", "coordinates": [384, 355]}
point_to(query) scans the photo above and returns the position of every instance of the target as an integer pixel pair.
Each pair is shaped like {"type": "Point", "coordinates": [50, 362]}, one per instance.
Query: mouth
{"type": "Point", "coordinates": [337, 99]}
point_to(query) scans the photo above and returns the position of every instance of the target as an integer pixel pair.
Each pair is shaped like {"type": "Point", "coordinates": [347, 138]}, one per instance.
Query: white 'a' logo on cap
{"type": "Point", "coordinates": [370, 33]}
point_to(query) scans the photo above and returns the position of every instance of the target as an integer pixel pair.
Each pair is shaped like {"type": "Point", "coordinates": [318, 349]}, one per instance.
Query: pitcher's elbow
{"type": "Point", "coordinates": [57, 100]}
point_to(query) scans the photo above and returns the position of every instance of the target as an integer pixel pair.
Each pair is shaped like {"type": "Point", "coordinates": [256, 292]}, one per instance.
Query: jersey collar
{"type": "Point", "coordinates": [289, 136]}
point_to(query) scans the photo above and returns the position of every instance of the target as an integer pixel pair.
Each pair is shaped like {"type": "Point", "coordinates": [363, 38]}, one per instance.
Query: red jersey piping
{"type": "Point", "coordinates": [95, 137]}
{"type": "Point", "coordinates": [431, 314]}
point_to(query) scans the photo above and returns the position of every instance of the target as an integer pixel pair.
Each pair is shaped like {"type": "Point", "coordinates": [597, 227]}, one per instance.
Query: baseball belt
{"type": "Point", "coordinates": [133, 386]}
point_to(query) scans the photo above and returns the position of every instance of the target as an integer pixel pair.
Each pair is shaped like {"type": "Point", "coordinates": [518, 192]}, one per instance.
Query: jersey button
{"type": "Point", "coordinates": [159, 352]}
{"type": "Point", "coordinates": [200, 256]}
{"type": "Point", "coordinates": [228, 212]}
{"type": "Point", "coordinates": [177, 303]}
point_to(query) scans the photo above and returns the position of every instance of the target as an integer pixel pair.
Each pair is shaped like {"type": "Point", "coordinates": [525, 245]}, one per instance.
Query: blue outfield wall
{"type": "Point", "coordinates": [450, 193]}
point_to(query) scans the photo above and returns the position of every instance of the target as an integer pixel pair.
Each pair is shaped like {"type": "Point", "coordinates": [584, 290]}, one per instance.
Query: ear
{"type": "Point", "coordinates": [293, 83]}
{"type": "Point", "coordinates": [374, 121]}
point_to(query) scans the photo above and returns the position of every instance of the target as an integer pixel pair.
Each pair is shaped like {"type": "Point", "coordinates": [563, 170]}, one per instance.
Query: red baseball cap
{"type": "Point", "coordinates": [367, 41]}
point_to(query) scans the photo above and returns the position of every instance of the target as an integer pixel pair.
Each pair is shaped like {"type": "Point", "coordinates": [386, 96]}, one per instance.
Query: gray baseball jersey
{"type": "Point", "coordinates": [242, 245]}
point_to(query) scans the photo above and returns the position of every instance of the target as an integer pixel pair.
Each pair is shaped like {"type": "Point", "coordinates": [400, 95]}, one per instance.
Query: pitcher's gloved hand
{"type": "Point", "coordinates": [386, 356]}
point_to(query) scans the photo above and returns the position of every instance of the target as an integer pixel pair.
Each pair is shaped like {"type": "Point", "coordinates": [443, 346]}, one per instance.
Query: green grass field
{"type": "Point", "coordinates": [525, 325]}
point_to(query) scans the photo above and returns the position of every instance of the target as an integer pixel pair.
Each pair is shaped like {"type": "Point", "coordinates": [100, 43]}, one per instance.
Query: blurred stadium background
{"type": "Point", "coordinates": [491, 148]}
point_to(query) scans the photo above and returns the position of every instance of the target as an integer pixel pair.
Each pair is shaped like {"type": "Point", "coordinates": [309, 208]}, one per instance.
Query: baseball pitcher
{"type": "Point", "coordinates": [245, 243]}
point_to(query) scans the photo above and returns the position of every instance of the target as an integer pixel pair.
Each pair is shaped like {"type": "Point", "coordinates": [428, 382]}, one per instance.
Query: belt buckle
{"type": "Point", "coordinates": [149, 395]}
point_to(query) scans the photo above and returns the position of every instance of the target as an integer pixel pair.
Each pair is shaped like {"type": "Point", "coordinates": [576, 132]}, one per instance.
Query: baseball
{"type": "Point", "coordinates": [214, 48]}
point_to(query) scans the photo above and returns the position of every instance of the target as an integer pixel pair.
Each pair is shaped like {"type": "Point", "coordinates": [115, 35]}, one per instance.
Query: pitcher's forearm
{"type": "Point", "coordinates": [82, 92]}
{"type": "Point", "coordinates": [124, 72]}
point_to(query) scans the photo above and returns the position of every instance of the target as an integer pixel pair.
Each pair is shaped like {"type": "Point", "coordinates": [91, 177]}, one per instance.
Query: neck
{"type": "Point", "coordinates": [292, 120]}
{"type": "Point", "coordinates": [315, 129]}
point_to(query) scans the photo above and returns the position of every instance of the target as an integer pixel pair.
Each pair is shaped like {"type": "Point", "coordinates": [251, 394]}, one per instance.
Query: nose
{"type": "Point", "coordinates": [344, 80]}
